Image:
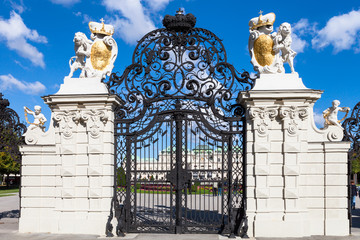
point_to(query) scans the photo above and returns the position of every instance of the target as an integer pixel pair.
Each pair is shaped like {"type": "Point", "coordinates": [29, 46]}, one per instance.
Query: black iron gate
{"type": "Point", "coordinates": [352, 134]}
{"type": "Point", "coordinates": [179, 135]}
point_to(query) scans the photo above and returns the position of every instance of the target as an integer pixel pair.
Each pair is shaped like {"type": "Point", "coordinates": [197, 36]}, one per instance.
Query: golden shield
{"type": "Point", "coordinates": [263, 50]}
{"type": "Point", "coordinates": [100, 55]}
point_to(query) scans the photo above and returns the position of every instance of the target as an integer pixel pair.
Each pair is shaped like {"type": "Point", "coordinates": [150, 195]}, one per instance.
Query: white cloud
{"type": "Point", "coordinates": [133, 19]}
{"type": "Point", "coordinates": [319, 119]}
{"type": "Point", "coordinates": [253, 75]}
{"type": "Point", "coordinates": [65, 3]}
{"type": "Point", "coordinates": [18, 6]}
{"type": "Point", "coordinates": [16, 34]}
{"type": "Point", "coordinates": [157, 5]}
{"type": "Point", "coordinates": [8, 82]}
{"type": "Point", "coordinates": [21, 65]}
{"type": "Point", "coordinates": [298, 44]}
{"type": "Point", "coordinates": [133, 23]}
{"type": "Point", "coordinates": [299, 30]}
{"type": "Point", "coordinates": [342, 32]}
{"type": "Point", "coordinates": [86, 18]}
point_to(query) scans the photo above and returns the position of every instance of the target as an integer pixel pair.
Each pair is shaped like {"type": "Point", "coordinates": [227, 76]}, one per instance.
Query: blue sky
{"type": "Point", "coordinates": [36, 40]}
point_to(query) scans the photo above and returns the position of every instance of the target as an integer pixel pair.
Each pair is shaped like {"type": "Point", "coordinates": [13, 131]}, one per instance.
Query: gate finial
{"type": "Point", "coordinates": [179, 22]}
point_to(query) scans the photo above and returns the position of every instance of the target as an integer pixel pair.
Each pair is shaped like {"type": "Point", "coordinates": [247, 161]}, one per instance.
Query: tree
{"type": "Point", "coordinates": [355, 165]}
{"type": "Point", "coordinates": [8, 166]}
{"type": "Point", "coordinates": [121, 177]}
{"type": "Point", "coordinates": [11, 131]}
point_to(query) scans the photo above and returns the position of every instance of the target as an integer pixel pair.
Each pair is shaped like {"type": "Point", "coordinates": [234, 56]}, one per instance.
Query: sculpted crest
{"type": "Point", "coordinates": [94, 57]}
{"type": "Point", "coordinates": [263, 50]}
{"type": "Point", "coordinates": [269, 50]}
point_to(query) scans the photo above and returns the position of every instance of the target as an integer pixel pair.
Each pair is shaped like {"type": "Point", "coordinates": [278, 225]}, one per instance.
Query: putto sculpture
{"type": "Point", "coordinates": [39, 118]}
{"type": "Point", "coordinates": [269, 50]}
{"type": "Point", "coordinates": [330, 114]}
{"type": "Point", "coordinates": [95, 57]}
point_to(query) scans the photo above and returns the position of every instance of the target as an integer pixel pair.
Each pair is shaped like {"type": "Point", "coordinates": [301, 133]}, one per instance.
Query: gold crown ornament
{"type": "Point", "coordinates": [101, 28]}
{"type": "Point", "coordinates": [262, 20]}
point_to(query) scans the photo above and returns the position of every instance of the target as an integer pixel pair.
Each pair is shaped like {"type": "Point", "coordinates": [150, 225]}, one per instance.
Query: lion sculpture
{"type": "Point", "coordinates": [82, 51]}
{"type": "Point", "coordinates": [283, 42]}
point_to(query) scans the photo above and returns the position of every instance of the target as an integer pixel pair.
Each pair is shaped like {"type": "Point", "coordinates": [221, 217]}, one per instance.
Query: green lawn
{"type": "Point", "coordinates": [8, 192]}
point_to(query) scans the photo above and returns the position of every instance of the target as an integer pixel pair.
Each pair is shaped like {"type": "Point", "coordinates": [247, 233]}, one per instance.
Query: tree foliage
{"type": "Point", "coordinates": [10, 139]}
{"type": "Point", "coordinates": [11, 131]}
{"type": "Point", "coordinates": [8, 165]}
{"type": "Point", "coordinates": [121, 177]}
{"type": "Point", "coordinates": [355, 163]}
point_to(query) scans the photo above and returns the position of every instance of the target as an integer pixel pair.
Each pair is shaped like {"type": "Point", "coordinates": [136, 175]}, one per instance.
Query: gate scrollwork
{"type": "Point", "coordinates": [179, 134]}
{"type": "Point", "coordinates": [352, 129]}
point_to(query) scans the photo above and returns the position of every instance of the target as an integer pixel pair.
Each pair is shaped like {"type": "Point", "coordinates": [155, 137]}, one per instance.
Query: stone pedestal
{"type": "Point", "coordinates": [296, 173]}
{"type": "Point", "coordinates": [68, 172]}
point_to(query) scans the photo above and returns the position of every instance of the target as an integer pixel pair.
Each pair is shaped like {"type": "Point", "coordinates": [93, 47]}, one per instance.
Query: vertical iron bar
{"type": "Point", "coordinates": [178, 188]}
{"type": "Point", "coordinates": [128, 184]}
{"type": "Point", "coordinates": [349, 192]}
{"type": "Point", "coordinates": [243, 229]}
{"type": "Point", "coordinates": [229, 185]}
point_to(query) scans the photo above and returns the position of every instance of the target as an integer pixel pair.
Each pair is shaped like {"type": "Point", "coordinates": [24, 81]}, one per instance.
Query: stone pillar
{"type": "Point", "coordinates": [68, 172]}
{"type": "Point", "coordinates": [296, 173]}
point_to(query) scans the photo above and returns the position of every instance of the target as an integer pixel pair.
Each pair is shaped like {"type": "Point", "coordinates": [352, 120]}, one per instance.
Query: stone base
{"type": "Point", "coordinates": [279, 82]}
{"type": "Point", "coordinates": [82, 86]}
{"type": "Point", "coordinates": [280, 229]}
{"type": "Point", "coordinates": [70, 223]}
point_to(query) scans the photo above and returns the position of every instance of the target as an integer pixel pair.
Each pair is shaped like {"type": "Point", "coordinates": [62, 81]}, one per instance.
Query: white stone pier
{"type": "Point", "coordinates": [68, 171]}
{"type": "Point", "coordinates": [297, 173]}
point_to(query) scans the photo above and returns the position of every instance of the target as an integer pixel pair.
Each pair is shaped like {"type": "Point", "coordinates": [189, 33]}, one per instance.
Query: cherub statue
{"type": "Point", "coordinates": [39, 118]}
{"type": "Point", "coordinates": [82, 50]}
{"type": "Point", "coordinates": [330, 114]}
{"type": "Point", "coordinates": [283, 42]}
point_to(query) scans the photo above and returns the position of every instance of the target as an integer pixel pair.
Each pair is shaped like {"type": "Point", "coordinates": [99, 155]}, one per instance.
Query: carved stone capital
{"type": "Point", "coordinates": [294, 112]}
{"type": "Point", "coordinates": [263, 113]}
{"type": "Point", "coordinates": [68, 118]}
{"type": "Point", "coordinates": [95, 117]}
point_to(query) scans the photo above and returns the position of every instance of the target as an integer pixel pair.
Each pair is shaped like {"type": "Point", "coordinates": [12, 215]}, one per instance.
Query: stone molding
{"type": "Point", "coordinates": [290, 115]}
{"type": "Point", "coordinates": [266, 115]}
{"type": "Point", "coordinates": [67, 117]}
{"type": "Point", "coordinates": [293, 112]}
{"type": "Point", "coordinates": [90, 118]}
{"type": "Point", "coordinates": [284, 112]}
{"type": "Point", "coordinates": [263, 113]}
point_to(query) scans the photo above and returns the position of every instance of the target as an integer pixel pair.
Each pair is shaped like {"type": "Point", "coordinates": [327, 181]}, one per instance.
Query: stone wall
{"type": "Point", "coordinates": [68, 172]}
{"type": "Point", "coordinates": [296, 173]}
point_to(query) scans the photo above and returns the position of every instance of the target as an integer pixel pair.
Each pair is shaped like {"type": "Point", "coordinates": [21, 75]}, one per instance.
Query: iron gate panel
{"type": "Point", "coordinates": [351, 127]}
{"type": "Point", "coordinates": [179, 135]}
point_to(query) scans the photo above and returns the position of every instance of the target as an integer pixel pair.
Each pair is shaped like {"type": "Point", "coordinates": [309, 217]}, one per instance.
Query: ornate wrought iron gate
{"type": "Point", "coordinates": [179, 135]}
{"type": "Point", "coordinates": [352, 133]}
